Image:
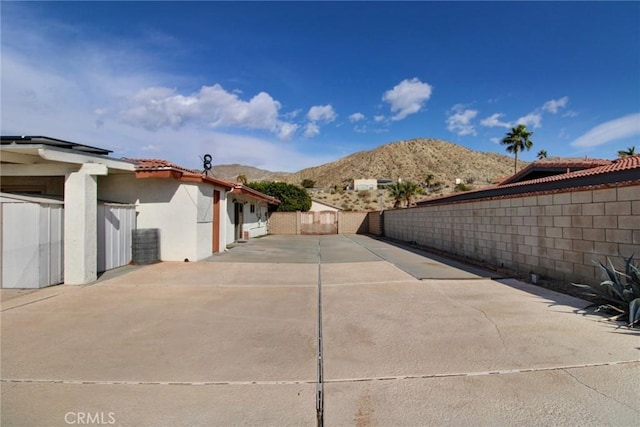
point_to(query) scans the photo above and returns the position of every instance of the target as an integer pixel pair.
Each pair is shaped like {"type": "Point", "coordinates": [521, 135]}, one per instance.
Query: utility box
{"type": "Point", "coordinates": [146, 245]}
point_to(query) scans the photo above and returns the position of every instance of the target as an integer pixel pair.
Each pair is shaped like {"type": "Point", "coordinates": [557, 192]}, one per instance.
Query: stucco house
{"type": "Point", "coordinates": [247, 213]}
{"type": "Point", "coordinates": [365, 184]}
{"type": "Point", "coordinates": [320, 206]}
{"type": "Point", "coordinates": [195, 214]}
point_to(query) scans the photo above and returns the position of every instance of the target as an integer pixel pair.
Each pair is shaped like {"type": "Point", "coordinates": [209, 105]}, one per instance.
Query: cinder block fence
{"type": "Point", "coordinates": [347, 223]}
{"type": "Point", "coordinates": [556, 235]}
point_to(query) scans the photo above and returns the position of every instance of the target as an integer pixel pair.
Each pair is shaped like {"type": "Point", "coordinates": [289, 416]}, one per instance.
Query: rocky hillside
{"type": "Point", "coordinates": [231, 172]}
{"type": "Point", "coordinates": [412, 160]}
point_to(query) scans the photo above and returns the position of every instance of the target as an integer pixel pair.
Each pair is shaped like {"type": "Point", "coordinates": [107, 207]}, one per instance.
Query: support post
{"type": "Point", "coordinates": [81, 224]}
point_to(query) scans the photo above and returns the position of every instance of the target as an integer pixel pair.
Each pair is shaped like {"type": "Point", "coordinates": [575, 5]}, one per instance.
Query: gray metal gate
{"type": "Point", "coordinates": [31, 237]}
{"type": "Point", "coordinates": [115, 223]}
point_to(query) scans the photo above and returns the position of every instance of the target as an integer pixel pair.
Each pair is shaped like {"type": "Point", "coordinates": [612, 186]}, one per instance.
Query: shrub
{"type": "Point", "coordinates": [462, 187]}
{"type": "Point", "coordinates": [308, 183]}
{"type": "Point", "coordinates": [620, 290]}
{"type": "Point", "coordinates": [364, 194]}
{"type": "Point", "coordinates": [292, 198]}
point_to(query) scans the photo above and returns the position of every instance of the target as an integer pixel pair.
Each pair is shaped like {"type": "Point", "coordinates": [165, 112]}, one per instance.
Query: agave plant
{"type": "Point", "coordinates": [621, 290]}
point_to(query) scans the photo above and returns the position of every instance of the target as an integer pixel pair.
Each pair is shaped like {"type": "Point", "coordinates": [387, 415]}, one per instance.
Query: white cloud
{"type": "Point", "coordinates": [285, 131]}
{"type": "Point", "coordinates": [356, 117]}
{"type": "Point", "coordinates": [460, 120]}
{"type": "Point", "coordinates": [379, 118]}
{"type": "Point", "coordinates": [531, 119]}
{"type": "Point", "coordinates": [229, 148]}
{"type": "Point", "coordinates": [318, 114]}
{"type": "Point", "coordinates": [52, 94]}
{"type": "Point", "coordinates": [292, 114]}
{"type": "Point", "coordinates": [494, 121]}
{"type": "Point", "coordinates": [407, 97]}
{"type": "Point", "coordinates": [570, 113]}
{"type": "Point", "coordinates": [495, 140]}
{"type": "Point", "coordinates": [623, 127]}
{"type": "Point", "coordinates": [155, 108]}
{"type": "Point", "coordinates": [322, 113]}
{"type": "Point", "coordinates": [311, 130]}
{"type": "Point", "coordinates": [150, 147]}
{"type": "Point", "coordinates": [555, 104]}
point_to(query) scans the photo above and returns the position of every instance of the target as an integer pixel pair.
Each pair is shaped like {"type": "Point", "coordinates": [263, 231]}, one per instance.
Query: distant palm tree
{"type": "Point", "coordinates": [542, 154]}
{"type": "Point", "coordinates": [516, 141]}
{"type": "Point", "coordinates": [242, 178]}
{"type": "Point", "coordinates": [411, 189]}
{"type": "Point", "coordinates": [428, 179]}
{"type": "Point", "coordinates": [628, 152]}
{"type": "Point", "coordinates": [404, 192]}
{"type": "Point", "coordinates": [396, 191]}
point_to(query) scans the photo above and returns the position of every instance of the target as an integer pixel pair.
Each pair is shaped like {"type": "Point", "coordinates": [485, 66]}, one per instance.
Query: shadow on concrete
{"type": "Point", "coordinates": [432, 265]}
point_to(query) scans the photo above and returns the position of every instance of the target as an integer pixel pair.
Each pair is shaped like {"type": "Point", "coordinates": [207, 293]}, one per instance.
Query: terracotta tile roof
{"type": "Point", "coordinates": [239, 188]}
{"type": "Point", "coordinates": [549, 183]}
{"type": "Point", "coordinates": [159, 164]}
{"type": "Point", "coordinates": [551, 164]}
{"type": "Point", "coordinates": [605, 166]}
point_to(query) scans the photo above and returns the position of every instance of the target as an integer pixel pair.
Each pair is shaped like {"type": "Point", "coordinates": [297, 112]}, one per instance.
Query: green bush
{"type": "Point", "coordinates": [462, 187]}
{"type": "Point", "coordinates": [292, 198]}
{"type": "Point", "coordinates": [364, 194]}
{"type": "Point", "coordinates": [308, 183]}
{"type": "Point", "coordinates": [621, 290]}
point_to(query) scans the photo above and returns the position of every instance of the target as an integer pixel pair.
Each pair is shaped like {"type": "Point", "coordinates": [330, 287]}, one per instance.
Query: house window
{"type": "Point", "coordinates": [252, 208]}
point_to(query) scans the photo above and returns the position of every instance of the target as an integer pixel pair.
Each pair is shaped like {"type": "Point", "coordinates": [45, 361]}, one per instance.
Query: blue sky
{"type": "Point", "coordinates": [283, 86]}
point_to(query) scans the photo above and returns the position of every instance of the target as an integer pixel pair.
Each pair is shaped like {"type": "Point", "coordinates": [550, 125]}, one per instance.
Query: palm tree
{"type": "Point", "coordinates": [542, 154]}
{"type": "Point", "coordinates": [396, 191]}
{"type": "Point", "coordinates": [404, 192]}
{"type": "Point", "coordinates": [428, 180]}
{"type": "Point", "coordinates": [631, 151]}
{"type": "Point", "coordinates": [516, 141]}
{"type": "Point", "coordinates": [411, 189]}
{"type": "Point", "coordinates": [242, 178]}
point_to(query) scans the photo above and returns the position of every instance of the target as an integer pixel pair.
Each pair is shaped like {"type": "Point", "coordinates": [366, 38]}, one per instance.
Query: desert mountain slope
{"type": "Point", "coordinates": [231, 172]}
{"type": "Point", "coordinates": [412, 160]}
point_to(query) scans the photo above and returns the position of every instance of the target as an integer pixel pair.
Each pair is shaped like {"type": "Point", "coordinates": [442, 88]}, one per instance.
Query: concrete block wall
{"type": "Point", "coordinates": [353, 222]}
{"type": "Point", "coordinates": [375, 223]}
{"type": "Point", "coordinates": [290, 222]}
{"type": "Point", "coordinates": [284, 223]}
{"type": "Point", "coordinates": [554, 235]}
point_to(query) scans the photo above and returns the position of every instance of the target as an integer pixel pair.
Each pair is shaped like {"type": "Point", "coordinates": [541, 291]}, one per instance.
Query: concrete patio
{"type": "Point", "coordinates": [409, 339]}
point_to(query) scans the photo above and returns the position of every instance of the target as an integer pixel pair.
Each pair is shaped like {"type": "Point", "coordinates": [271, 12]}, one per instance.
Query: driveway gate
{"type": "Point", "coordinates": [325, 222]}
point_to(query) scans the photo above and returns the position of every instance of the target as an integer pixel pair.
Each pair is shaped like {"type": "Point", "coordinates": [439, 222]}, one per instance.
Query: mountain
{"type": "Point", "coordinates": [411, 160]}
{"type": "Point", "coordinates": [231, 172]}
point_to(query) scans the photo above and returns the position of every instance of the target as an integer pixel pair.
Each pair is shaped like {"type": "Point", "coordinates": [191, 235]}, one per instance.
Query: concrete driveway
{"type": "Point", "coordinates": [408, 339]}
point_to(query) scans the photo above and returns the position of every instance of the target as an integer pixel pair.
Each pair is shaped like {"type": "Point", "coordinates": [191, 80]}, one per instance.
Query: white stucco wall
{"type": "Point", "coordinates": [365, 184]}
{"type": "Point", "coordinates": [182, 211]}
{"type": "Point", "coordinates": [321, 207]}
{"type": "Point", "coordinates": [255, 223]}
{"type": "Point", "coordinates": [204, 221]}
{"type": "Point", "coordinates": [229, 230]}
